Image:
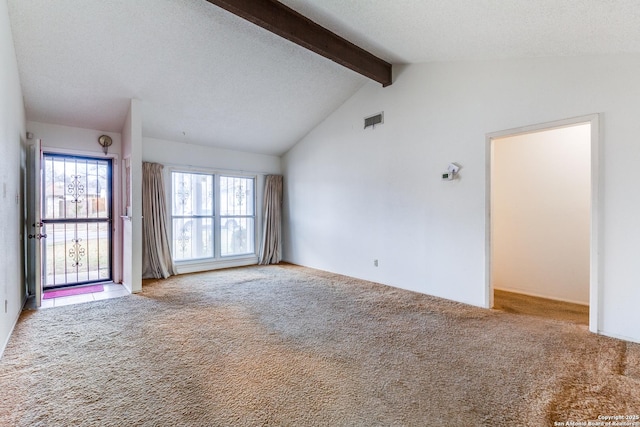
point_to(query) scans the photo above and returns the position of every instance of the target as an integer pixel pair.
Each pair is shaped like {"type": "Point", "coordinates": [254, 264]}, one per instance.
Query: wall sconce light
{"type": "Point", "coordinates": [105, 141]}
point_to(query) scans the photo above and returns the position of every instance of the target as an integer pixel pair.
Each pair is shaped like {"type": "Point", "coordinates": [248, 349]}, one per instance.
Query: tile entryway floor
{"type": "Point", "coordinates": [111, 290]}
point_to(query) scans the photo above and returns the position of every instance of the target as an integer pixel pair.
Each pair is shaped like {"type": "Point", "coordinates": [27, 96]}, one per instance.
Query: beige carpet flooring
{"type": "Point", "coordinates": [285, 345]}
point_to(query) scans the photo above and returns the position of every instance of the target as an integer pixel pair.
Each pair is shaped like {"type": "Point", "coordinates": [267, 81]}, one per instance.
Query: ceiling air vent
{"type": "Point", "coordinates": [376, 119]}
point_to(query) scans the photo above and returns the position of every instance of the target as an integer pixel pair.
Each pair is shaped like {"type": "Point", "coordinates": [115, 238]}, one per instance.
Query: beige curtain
{"type": "Point", "coordinates": [271, 252]}
{"type": "Point", "coordinates": [156, 250]}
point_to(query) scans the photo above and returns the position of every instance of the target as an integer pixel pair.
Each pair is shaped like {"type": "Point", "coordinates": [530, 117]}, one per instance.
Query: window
{"type": "Point", "coordinates": [237, 216]}
{"type": "Point", "coordinates": [212, 216]}
{"type": "Point", "coordinates": [193, 216]}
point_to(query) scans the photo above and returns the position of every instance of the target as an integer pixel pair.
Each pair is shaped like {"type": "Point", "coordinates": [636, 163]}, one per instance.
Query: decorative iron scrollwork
{"type": "Point", "coordinates": [76, 253]}
{"type": "Point", "coordinates": [240, 196]}
{"type": "Point", "coordinates": [183, 194]}
{"type": "Point", "coordinates": [184, 237]}
{"type": "Point", "coordinates": [76, 189]}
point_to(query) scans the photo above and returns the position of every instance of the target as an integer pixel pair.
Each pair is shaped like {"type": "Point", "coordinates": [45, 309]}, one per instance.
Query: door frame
{"type": "Point", "coordinates": [45, 221]}
{"type": "Point", "coordinates": [32, 236]}
{"type": "Point", "coordinates": [116, 226]}
{"type": "Point", "coordinates": [595, 249]}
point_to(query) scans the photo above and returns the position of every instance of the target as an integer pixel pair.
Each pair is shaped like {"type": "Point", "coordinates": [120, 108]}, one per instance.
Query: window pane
{"type": "Point", "coordinates": [75, 188]}
{"type": "Point", "coordinates": [236, 196]}
{"type": "Point", "coordinates": [192, 194]}
{"type": "Point", "coordinates": [236, 236]}
{"type": "Point", "coordinates": [76, 252]}
{"type": "Point", "coordinates": [192, 238]}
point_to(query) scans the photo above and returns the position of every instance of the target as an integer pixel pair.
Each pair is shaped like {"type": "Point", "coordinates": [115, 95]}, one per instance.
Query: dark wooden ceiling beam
{"type": "Point", "coordinates": [291, 25]}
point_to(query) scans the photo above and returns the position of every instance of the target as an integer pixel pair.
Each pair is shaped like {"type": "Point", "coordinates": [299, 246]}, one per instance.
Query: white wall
{"type": "Point", "coordinates": [541, 212]}
{"type": "Point", "coordinates": [72, 139]}
{"type": "Point", "coordinates": [353, 195]}
{"type": "Point", "coordinates": [199, 156]}
{"type": "Point", "coordinates": [184, 156]}
{"type": "Point", "coordinates": [132, 224]}
{"type": "Point", "coordinates": [12, 179]}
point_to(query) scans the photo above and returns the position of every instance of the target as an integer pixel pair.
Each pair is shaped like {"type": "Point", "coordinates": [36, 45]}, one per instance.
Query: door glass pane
{"type": "Point", "coordinates": [76, 253]}
{"type": "Point", "coordinates": [75, 188]}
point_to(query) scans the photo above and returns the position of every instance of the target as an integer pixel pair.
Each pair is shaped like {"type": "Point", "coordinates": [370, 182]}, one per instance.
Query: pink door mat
{"type": "Point", "coordinates": [72, 291]}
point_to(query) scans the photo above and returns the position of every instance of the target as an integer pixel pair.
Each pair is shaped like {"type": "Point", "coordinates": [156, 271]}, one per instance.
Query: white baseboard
{"type": "Point", "coordinates": [126, 286]}
{"type": "Point", "coordinates": [619, 337]}
{"type": "Point", "coordinates": [15, 322]}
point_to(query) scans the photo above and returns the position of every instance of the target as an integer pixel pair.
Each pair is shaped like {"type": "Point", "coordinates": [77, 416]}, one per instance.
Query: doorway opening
{"type": "Point", "coordinates": [542, 220]}
{"type": "Point", "coordinates": [77, 215]}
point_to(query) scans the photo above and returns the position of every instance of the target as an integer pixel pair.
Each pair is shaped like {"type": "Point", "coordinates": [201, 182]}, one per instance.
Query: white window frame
{"type": "Point", "coordinates": [220, 217]}
{"type": "Point", "coordinates": [217, 261]}
{"type": "Point", "coordinates": [211, 217]}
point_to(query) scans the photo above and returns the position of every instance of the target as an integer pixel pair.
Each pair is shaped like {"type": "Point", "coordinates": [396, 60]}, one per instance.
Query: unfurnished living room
{"type": "Point", "coordinates": [319, 213]}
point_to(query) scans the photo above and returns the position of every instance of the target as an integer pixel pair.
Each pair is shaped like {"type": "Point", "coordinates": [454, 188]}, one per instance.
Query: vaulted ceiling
{"type": "Point", "coordinates": [207, 77]}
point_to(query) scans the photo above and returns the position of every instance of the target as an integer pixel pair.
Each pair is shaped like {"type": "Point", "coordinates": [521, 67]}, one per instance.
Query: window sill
{"type": "Point", "coordinates": [195, 266]}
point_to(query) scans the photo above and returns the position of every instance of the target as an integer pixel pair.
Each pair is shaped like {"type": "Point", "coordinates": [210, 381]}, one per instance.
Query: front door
{"type": "Point", "coordinates": [77, 220]}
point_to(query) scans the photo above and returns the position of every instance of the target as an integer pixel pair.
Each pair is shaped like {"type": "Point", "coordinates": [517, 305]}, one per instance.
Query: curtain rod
{"type": "Point", "coordinates": [192, 167]}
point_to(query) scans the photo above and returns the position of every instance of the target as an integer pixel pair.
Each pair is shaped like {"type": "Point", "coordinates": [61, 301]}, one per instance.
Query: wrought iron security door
{"type": "Point", "coordinates": [76, 220]}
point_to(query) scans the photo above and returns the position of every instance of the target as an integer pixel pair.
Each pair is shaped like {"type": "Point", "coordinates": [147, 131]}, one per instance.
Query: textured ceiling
{"type": "Point", "coordinates": [207, 77]}
{"type": "Point", "coordinates": [202, 74]}
{"type": "Point", "coordinates": [417, 31]}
